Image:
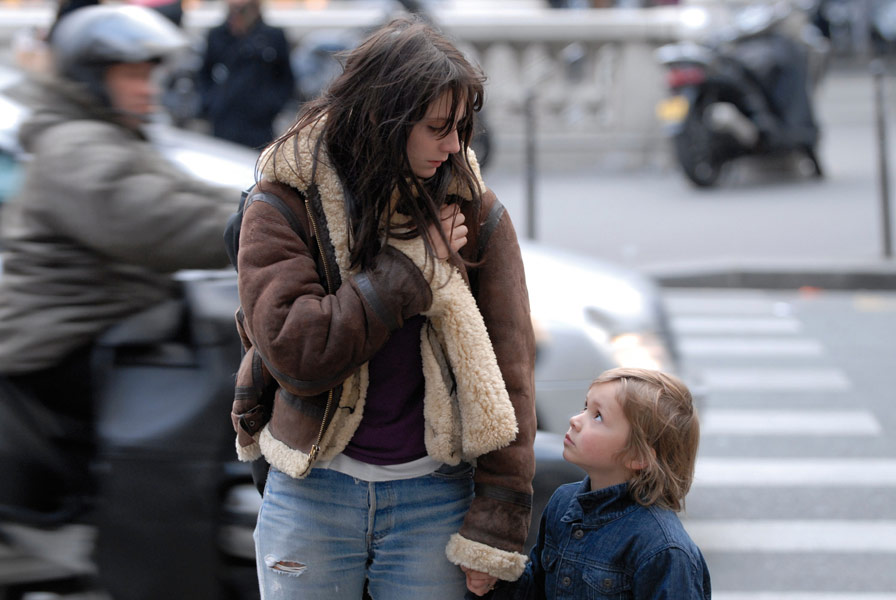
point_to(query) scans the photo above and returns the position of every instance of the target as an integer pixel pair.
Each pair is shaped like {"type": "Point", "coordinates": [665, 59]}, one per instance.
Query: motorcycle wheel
{"type": "Point", "coordinates": [695, 150]}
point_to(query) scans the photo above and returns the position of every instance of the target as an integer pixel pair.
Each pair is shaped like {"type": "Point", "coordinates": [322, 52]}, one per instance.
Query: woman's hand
{"type": "Point", "coordinates": [452, 221]}
{"type": "Point", "coordinates": [478, 582]}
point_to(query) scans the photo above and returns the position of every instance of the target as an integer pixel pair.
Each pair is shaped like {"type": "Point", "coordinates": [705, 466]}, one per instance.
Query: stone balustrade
{"type": "Point", "coordinates": [591, 73]}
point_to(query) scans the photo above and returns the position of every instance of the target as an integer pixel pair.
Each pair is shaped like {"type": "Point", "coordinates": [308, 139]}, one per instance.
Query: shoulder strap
{"type": "Point", "coordinates": [234, 223]}
{"type": "Point", "coordinates": [485, 233]}
{"type": "Point", "coordinates": [488, 228]}
{"type": "Point", "coordinates": [277, 203]}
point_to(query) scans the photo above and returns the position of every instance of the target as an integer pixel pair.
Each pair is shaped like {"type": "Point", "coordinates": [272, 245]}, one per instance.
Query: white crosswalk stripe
{"type": "Point", "coordinates": [716, 421]}
{"type": "Point", "coordinates": [822, 535]}
{"type": "Point", "coordinates": [777, 472]}
{"type": "Point", "coordinates": [694, 347]}
{"type": "Point", "coordinates": [775, 379]}
{"type": "Point", "coordinates": [735, 325]}
{"type": "Point", "coordinates": [723, 302]}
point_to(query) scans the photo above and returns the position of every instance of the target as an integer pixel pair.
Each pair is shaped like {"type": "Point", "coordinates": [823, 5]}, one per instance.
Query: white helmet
{"type": "Point", "coordinates": [86, 41]}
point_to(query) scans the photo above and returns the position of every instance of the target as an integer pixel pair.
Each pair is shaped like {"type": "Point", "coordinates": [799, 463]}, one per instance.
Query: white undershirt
{"type": "Point", "coordinates": [368, 472]}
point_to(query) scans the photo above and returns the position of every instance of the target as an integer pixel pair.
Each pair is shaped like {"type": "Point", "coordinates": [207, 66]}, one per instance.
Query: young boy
{"type": "Point", "coordinates": [615, 534]}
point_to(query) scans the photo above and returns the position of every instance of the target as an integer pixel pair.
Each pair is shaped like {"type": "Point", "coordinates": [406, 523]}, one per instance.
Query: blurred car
{"type": "Point", "coordinates": [588, 315]}
{"type": "Point", "coordinates": [12, 113]}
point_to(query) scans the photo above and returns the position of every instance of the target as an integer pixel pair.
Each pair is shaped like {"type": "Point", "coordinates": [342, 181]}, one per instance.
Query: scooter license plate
{"type": "Point", "coordinates": [673, 109]}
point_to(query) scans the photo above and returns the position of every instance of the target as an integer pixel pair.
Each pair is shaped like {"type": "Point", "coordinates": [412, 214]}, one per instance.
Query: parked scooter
{"type": "Point", "coordinates": [746, 91]}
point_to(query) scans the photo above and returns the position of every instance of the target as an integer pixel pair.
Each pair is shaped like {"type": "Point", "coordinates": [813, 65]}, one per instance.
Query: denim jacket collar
{"type": "Point", "coordinates": [593, 509]}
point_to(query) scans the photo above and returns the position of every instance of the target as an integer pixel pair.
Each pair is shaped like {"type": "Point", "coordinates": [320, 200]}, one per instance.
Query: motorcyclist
{"type": "Point", "coordinates": [102, 222]}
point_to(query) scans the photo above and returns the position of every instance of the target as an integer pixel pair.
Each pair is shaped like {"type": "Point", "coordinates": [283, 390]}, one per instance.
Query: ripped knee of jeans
{"type": "Point", "coordinates": [288, 567]}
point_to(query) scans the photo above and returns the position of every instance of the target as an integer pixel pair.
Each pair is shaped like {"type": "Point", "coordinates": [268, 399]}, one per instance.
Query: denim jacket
{"type": "Point", "coordinates": [603, 544]}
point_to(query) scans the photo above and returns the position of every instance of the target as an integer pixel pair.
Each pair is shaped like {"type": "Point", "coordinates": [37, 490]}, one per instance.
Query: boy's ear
{"type": "Point", "coordinates": [639, 463]}
{"type": "Point", "coordinates": [636, 465]}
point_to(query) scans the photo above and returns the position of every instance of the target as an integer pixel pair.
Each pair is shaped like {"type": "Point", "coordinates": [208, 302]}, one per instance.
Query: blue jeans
{"type": "Point", "coordinates": [320, 537]}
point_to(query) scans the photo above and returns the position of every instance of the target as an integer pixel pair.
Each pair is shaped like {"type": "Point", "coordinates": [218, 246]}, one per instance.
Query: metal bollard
{"type": "Point", "coordinates": [531, 166]}
{"type": "Point", "coordinates": [877, 71]}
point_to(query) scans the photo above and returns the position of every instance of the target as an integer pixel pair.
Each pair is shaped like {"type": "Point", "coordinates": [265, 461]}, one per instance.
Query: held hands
{"type": "Point", "coordinates": [452, 221]}
{"type": "Point", "coordinates": [479, 583]}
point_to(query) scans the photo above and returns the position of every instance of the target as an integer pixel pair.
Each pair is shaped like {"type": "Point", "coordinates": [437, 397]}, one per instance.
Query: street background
{"type": "Point", "coordinates": [762, 215]}
{"type": "Point", "coordinates": [784, 306]}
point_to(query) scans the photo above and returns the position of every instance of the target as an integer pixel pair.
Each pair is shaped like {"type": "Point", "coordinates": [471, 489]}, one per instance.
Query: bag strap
{"type": "Point", "coordinates": [279, 204]}
{"type": "Point", "coordinates": [488, 228]}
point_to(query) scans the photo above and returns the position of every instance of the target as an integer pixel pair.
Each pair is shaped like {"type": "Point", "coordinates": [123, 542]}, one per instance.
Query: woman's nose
{"type": "Point", "coordinates": [451, 142]}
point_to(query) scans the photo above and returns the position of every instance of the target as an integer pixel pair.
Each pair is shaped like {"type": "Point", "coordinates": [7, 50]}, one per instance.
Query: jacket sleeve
{"type": "Point", "coordinates": [311, 339]}
{"type": "Point", "coordinates": [495, 528]}
{"type": "Point", "coordinates": [111, 191]}
{"type": "Point", "coordinates": [530, 585]}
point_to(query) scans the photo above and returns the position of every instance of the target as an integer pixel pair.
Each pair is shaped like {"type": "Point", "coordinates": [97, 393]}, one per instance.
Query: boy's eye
{"type": "Point", "coordinates": [598, 417]}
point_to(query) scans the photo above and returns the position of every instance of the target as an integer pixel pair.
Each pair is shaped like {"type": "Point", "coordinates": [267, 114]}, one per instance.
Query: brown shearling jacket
{"type": "Point", "coordinates": [311, 324]}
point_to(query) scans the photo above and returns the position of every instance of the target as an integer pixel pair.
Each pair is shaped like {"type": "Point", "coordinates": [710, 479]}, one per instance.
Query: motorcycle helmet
{"type": "Point", "coordinates": [86, 41]}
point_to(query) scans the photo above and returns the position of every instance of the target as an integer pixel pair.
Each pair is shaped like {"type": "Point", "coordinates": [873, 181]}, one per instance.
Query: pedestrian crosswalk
{"type": "Point", "coordinates": [776, 402]}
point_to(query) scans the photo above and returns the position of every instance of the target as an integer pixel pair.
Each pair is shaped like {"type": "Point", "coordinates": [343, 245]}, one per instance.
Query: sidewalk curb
{"type": "Point", "coordinates": [868, 276]}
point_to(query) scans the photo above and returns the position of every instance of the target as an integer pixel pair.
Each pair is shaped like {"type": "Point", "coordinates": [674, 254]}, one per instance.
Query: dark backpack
{"type": "Point", "coordinates": [263, 387]}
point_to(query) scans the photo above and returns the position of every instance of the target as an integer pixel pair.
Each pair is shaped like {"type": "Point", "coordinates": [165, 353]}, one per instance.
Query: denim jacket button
{"type": "Point", "coordinates": [566, 581]}
{"type": "Point", "coordinates": [578, 534]}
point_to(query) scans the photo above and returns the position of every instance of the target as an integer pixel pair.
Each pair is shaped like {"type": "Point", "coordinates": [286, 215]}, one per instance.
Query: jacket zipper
{"type": "Point", "coordinates": [315, 448]}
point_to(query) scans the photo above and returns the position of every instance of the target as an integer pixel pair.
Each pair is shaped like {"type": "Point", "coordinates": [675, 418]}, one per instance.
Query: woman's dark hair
{"type": "Point", "coordinates": [366, 115]}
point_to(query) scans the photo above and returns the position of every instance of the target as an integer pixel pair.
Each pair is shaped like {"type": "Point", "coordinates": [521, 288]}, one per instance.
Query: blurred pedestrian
{"type": "Point", "coordinates": [246, 78]}
{"type": "Point", "coordinates": [173, 10]}
{"type": "Point", "coordinates": [395, 319]}
{"type": "Point", "coordinates": [100, 224]}
{"type": "Point", "coordinates": [66, 7]}
{"type": "Point", "coordinates": [31, 46]}
{"type": "Point", "coordinates": [616, 531]}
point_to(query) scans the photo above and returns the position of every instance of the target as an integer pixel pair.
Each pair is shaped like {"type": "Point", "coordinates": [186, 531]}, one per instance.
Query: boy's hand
{"type": "Point", "coordinates": [479, 583]}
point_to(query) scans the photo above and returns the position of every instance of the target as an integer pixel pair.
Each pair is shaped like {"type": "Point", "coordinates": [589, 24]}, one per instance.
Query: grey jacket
{"type": "Point", "coordinates": [101, 223]}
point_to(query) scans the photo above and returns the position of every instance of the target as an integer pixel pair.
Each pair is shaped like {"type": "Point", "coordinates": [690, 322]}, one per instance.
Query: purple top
{"type": "Point", "coordinates": [391, 431]}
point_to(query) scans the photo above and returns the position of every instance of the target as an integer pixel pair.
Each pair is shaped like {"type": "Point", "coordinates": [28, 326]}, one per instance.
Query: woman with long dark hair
{"type": "Point", "coordinates": [388, 307]}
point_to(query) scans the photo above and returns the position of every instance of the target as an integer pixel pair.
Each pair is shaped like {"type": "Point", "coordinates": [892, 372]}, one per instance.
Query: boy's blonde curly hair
{"type": "Point", "coordinates": [664, 434]}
